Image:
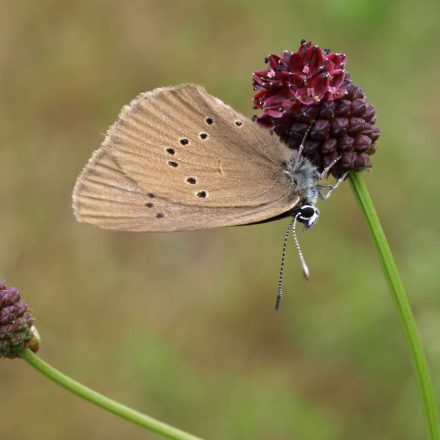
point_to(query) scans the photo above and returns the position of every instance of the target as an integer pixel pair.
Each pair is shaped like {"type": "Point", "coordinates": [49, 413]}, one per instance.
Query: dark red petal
{"type": "Point", "coordinates": [337, 59]}
{"type": "Point", "coordinates": [329, 145]}
{"type": "Point", "coordinates": [7, 314]}
{"type": "Point", "coordinates": [298, 130]}
{"type": "Point", "coordinates": [284, 76]}
{"type": "Point", "coordinates": [362, 143]}
{"type": "Point", "coordinates": [314, 60]}
{"type": "Point", "coordinates": [273, 86]}
{"type": "Point", "coordinates": [327, 109]}
{"type": "Point", "coordinates": [259, 99]}
{"type": "Point", "coordinates": [329, 158]}
{"type": "Point", "coordinates": [9, 297]}
{"type": "Point", "coordinates": [296, 63]}
{"type": "Point", "coordinates": [273, 60]}
{"type": "Point", "coordinates": [345, 143]}
{"type": "Point", "coordinates": [357, 93]}
{"type": "Point", "coordinates": [337, 78]}
{"type": "Point", "coordinates": [298, 80]}
{"type": "Point", "coordinates": [358, 107]}
{"type": "Point", "coordinates": [369, 113]}
{"type": "Point", "coordinates": [311, 147]}
{"type": "Point", "coordinates": [307, 113]}
{"type": "Point", "coordinates": [304, 46]}
{"type": "Point", "coordinates": [320, 85]}
{"type": "Point", "coordinates": [348, 159]}
{"type": "Point", "coordinates": [371, 149]}
{"type": "Point", "coordinates": [362, 161]}
{"type": "Point", "coordinates": [340, 93]}
{"type": "Point", "coordinates": [265, 120]}
{"type": "Point", "coordinates": [339, 127]}
{"type": "Point", "coordinates": [259, 79]}
{"type": "Point", "coordinates": [275, 100]}
{"type": "Point", "coordinates": [375, 133]}
{"type": "Point", "coordinates": [304, 96]}
{"type": "Point", "coordinates": [320, 130]}
{"type": "Point", "coordinates": [343, 107]}
{"type": "Point", "coordinates": [274, 113]}
{"type": "Point", "coordinates": [5, 331]}
{"type": "Point", "coordinates": [21, 323]}
{"type": "Point", "coordinates": [356, 126]}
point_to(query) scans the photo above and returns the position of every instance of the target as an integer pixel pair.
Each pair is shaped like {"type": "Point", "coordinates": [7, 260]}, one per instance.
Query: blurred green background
{"type": "Point", "coordinates": [181, 326]}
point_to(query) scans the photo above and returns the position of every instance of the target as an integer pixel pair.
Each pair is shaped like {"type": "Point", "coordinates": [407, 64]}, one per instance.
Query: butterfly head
{"type": "Point", "coordinates": [308, 214]}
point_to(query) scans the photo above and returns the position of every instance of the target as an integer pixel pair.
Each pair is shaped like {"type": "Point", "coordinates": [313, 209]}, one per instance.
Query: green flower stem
{"type": "Point", "coordinates": [104, 402]}
{"type": "Point", "coordinates": [402, 303]}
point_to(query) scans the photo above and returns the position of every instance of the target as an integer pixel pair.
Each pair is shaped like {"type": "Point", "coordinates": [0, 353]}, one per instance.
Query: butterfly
{"type": "Point", "coordinates": [179, 159]}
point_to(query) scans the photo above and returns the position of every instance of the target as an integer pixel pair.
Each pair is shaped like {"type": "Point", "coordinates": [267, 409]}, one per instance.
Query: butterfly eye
{"type": "Point", "coordinates": [307, 212]}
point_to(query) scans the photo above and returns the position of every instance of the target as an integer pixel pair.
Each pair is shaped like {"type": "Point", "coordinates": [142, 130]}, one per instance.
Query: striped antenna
{"type": "Point", "coordinates": [304, 266]}
{"type": "Point", "coordinates": [283, 256]}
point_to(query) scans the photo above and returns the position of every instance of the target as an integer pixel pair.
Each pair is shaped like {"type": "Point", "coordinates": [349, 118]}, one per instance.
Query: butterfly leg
{"type": "Point", "coordinates": [330, 188]}
{"type": "Point", "coordinates": [299, 153]}
{"type": "Point", "coordinates": [327, 169]}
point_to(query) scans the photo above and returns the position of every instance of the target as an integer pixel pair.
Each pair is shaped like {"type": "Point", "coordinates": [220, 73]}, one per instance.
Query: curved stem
{"type": "Point", "coordinates": [103, 401]}
{"type": "Point", "coordinates": [402, 303]}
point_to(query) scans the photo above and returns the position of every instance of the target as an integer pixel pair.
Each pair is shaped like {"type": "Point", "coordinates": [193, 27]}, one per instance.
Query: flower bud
{"type": "Point", "coordinates": [16, 324]}
{"type": "Point", "coordinates": [311, 88]}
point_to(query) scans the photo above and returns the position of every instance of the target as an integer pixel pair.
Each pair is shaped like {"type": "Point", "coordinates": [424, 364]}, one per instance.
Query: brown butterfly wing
{"type": "Point", "coordinates": [178, 158]}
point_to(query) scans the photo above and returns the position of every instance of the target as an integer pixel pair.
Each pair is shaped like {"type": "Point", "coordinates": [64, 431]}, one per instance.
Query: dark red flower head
{"type": "Point", "coordinates": [311, 88]}
{"type": "Point", "coordinates": [16, 329]}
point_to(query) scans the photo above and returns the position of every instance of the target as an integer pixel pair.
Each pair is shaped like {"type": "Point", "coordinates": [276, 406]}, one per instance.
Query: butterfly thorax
{"type": "Point", "coordinates": [304, 177]}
